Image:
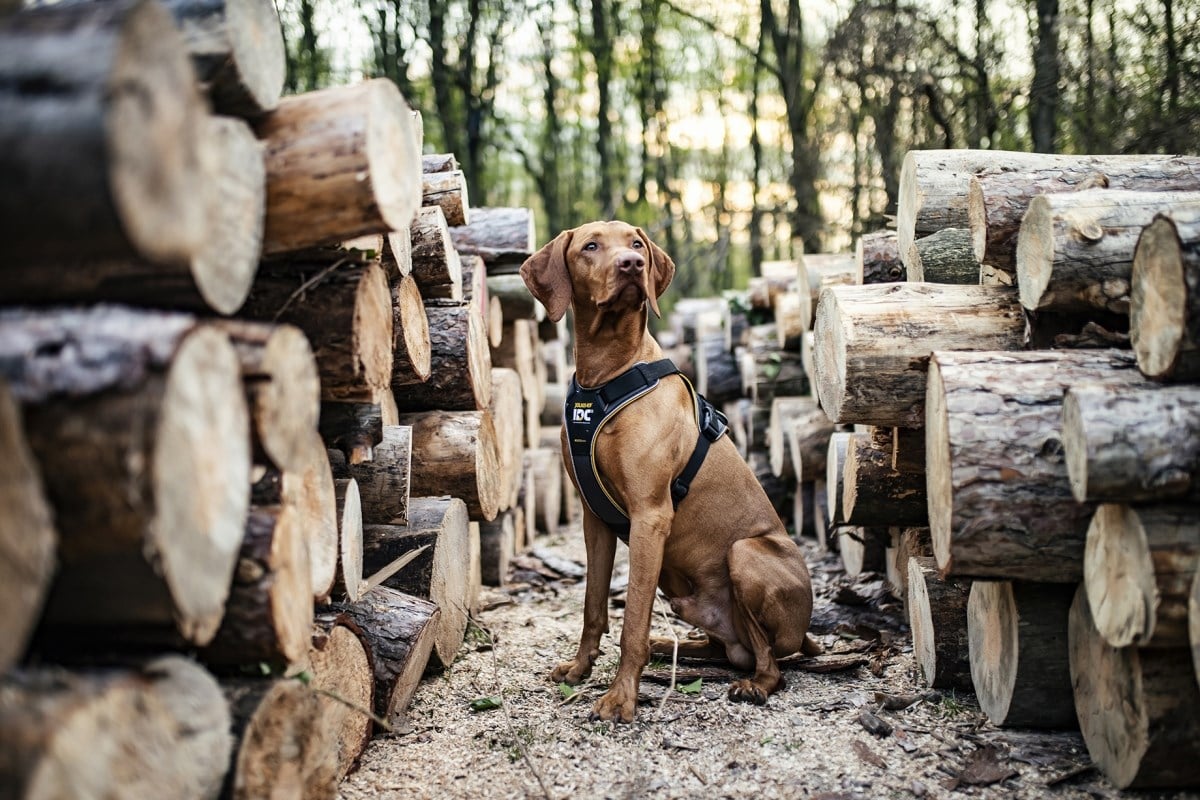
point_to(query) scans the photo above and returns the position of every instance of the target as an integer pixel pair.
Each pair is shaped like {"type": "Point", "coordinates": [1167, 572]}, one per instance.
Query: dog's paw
{"type": "Point", "coordinates": [571, 672]}
{"type": "Point", "coordinates": [747, 691]}
{"type": "Point", "coordinates": [615, 706]}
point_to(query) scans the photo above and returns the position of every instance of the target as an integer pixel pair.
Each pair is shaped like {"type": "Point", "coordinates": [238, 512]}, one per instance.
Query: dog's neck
{"type": "Point", "coordinates": [611, 343]}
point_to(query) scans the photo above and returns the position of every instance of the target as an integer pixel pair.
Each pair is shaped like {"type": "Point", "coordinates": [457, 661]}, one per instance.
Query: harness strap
{"type": "Point", "coordinates": [713, 425]}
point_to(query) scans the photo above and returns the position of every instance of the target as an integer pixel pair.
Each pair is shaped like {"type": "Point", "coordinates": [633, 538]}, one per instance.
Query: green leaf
{"type": "Point", "coordinates": [485, 704]}
{"type": "Point", "coordinates": [304, 677]}
{"type": "Point", "coordinates": [566, 690]}
{"type": "Point", "coordinates": [693, 687]}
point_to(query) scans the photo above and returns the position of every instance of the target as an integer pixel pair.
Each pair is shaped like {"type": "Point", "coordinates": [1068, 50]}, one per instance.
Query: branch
{"type": "Point", "coordinates": [712, 26]}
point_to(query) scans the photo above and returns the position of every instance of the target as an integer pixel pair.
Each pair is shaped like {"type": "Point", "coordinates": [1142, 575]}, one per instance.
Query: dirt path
{"type": "Point", "coordinates": [809, 741]}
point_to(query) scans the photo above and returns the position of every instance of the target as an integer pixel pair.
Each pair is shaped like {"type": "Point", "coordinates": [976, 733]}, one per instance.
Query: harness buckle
{"type": "Point", "coordinates": [679, 490]}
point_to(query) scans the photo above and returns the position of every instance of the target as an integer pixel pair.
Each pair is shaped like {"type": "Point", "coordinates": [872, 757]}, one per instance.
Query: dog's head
{"type": "Point", "coordinates": [612, 266]}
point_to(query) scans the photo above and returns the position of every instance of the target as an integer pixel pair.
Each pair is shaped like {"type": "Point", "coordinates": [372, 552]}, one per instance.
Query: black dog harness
{"type": "Point", "coordinates": [587, 410]}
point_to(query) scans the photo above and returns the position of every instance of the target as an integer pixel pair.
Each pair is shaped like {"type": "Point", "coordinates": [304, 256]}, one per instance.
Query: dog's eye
{"type": "Point", "coordinates": [637, 243]}
{"type": "Point", "coordinates": [590, 246]}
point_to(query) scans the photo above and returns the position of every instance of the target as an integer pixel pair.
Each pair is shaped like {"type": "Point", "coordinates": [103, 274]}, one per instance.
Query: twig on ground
{"type": "Point", "coordinates": [674, 657]}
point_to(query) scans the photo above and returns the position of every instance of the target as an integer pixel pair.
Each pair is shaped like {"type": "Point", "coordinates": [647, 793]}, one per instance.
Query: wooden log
{"type": "Point", "coordinates": [27, 536]}
{"type": "Point", "coordinates": [877, 258]}
{"type": "Point", "coordinates": [1000, 503]}
{"type": "Point", "coordinates": [1017, 634]}
{"type": "Point", "coordinates": [776, 489]}
{"type": "Point", "coordinates": [352, 428]}
{"type": "Point", "coordinates": [874, 493]}
{"type": "Point", "coordinates": [384, 482]}
{"type": "Point", "coordinates": [461, 365]}
{"type": "Point", "coordinates": [1075, 250]}
{"type": "Point", "coordinates": [283, 392]}
{"type": "Point", "coordinates": [439, 162]}
{"type": "Point", "coordinates": [525, 521]}
{"type": "Point", "coordinates": [438, 574]}
{"type": "Point", "coordinates": [908, 449]}
{"type": "Point", "coordinates": [236, 47]}
{"type": "Point", "coordinates": [873, 344]}
{"type": "Point", "coordinates": [820, 517]}
{"type": "Point", "coordinates": [474, 571]}
{"type": "Point", "coordinates": [862, 549]}
{"type": "Point", "coordinates": [766, 375]}
{"type": "Point", "coordinates": [1164, 301]}
{"type": "Point", "coordinates": [508, 418]}
{"type": "Point", "coordinates": [280, 745]}
{"type": "Point", "coordinates": [126, 414]}
{"type": "Point", "coordinates": [910, 542]}
{"type": "Point", "coordinates": [1138, 569]}
{"type": "Point", "coordinates": [1132, 443]}
{"type": "Point", "coordinates": [497, 545]}
{"type": "Point", "coordinates": [944, 256]}
{"type": "Point", "coordinates": [718, 377]}
{"type": "Point", "coordinates": [835, 470]}
{"type": "Point", "coordinates": [819, 272]}
{"type": "Point", "coordinates": [515, 299]}
{"type": "Point", "coordinates": [328, 183]}
{"type": "Point", "coordinates": [1137, 708]}
{"type": "Point", "coordinates": [436, 265]}
{"type": "Point", "coordinates": [998, 197]}
{"type": "Point", "coordinates": [937, 614]}
{"type": "Point", "coordinates": [1194, 624]}
{"type": "Point", "coordinates": [89, 168]}
{"type": "Point", "coordinates": [789, 320]}
{"type": "Point", "coordinates": [447, 190]}
{"type": "Point", "coordinates": [165, 732]}
{"type": "Point", "coordinates": [503, 237]}
{"type": "Point", "coordinates": [309, 494]}
{"type": "Point", "coordinates": [343, 677]}
{"type": "Point", "coordinates": [517, 351]}
{"type": "Point", "coordinates": [400, 631]}
{"type": "Point", "coordinates": [775, 277]}
{"type": "Point", "coordinates": [342, 303]}
{"type": "Point", "coordinates": [786, 412]}
{"type": "Point", "coordinates": [558, 357]}
{"type": "Point", "coordinates": [348, 582]}
{"type": "Point", "coordinates": [411, 353]}
{"type": "Point", "coordinates": [268, 616]}
{"type": "Point", "coordinates": [547, 483]}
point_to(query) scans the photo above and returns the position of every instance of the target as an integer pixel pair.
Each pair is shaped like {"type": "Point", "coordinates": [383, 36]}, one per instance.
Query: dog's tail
{"type": "Point", "coordinates": [811, 646]}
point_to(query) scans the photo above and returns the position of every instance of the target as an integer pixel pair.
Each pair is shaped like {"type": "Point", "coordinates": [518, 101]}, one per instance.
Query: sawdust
{"type": "Point", "coordinates": [811, 740]}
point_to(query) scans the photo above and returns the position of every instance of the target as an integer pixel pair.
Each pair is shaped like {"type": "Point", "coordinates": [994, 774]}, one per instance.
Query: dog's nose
{"type": "Point", "coordinates": [630, 263]}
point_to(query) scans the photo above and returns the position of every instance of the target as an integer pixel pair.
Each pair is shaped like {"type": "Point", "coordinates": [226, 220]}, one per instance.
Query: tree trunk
{"type": "Point", "coordinates": [328, 183]}
{"type": "Point", "coordinates": [165, 733]}
{"type": "Point", "coordinates": [508, 418]}
{"type": "Point", "coordinates": [128, 415]}
{"type": "Point", "coordinates": [27, 536]}
{"type": "Point", "coordinates": [874, 493]}
{"type": "Point", "coordinates": [1000, 503]}
{"type": "Point", "coordinates": [438, 574]}
{"type": "Point", "coordinates": [862, 549]}
{"type": "Point", "coordinates": [873, 344]}
{"type": "Point", "coordinates": [448, 191]}
{"type": "Point", "coordinates": [237, 51]}
{"type": "Point", "coordinates": [945, 256]}
{"type": "Point", "coordinates": [1132, 444]}
{"type": "Point", "coordinates": [344, 307]}
{"type": "Point", "coordinates": [515, 299]}
{"type": "Point", "coordinates": [1138, 709]}
{"type": "Point", "coordinates": [1044, 93]}
{"type": "Point", "coordinates": [348, 582]}
{"type": "Point", "coordinates": [877, 258]}
{"type": "Point", "coordinates": [1017, 635]}
{"type": "Point", "coordinates": [818, 272]}
{"type": "Point", "coordinates": [835, 469]}
{"type": "Point", "coordinates": [352, 428]}
{"type": "Point", "coordinates": [460, 363]}
{"type": "Point", "coordinates": [1075, 250]}
{"type": "Point", "coordinates": [384, 481]}
{"type": "Point", "coordinates": [411, 354]}
{"type": "Point", "coordinates": [547, 485]}
{"type": "Point", "coordinates": [101, 146]}
{"type": "Point", "coordinates": [497, 544]}
{"type": "Point", "coordinates": [436, 265]}
{"type": "Point", "coordinates": [343, 676]}
{"type": "Point", "coordinates": [937, 614]}
{"type": "Point", "coordinates": [503, 237]}
{"type": "Point", "coordinates": [1164, 300]}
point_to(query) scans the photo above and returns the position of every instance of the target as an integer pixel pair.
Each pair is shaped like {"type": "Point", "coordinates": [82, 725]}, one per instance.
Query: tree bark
{"type": "Point", "coordinates": [341, 162]}
{"type": "Point", "coordinates": [503, 237]}
{"type": "Point", "coordinates": [874, 493]}
{"type": "Point", "coordinates": [460, 363]}
{"type": "Point", "coordinates": [1138, 709]}
{"type": "Point", "coordinates": [348, 582]}
{"type": "Point", "coordinates": [447, 190]}
{"type": "Point", "coordinates": [352, 428]}
{"type": "Point", "coordinates": [411, 353]}
{"type": "Point", "coordinates": [877, 258]}
{"type": "Point", "coordinates": [1164, 300]}
{"type": "Point", "coordinates": [343, 676]}
{"type": "Point", "coordinates": [436, 265]}
{"type": "Point", "coordinates": [873, 344]}
{"type": "Point", "coordinates": [101, 147]}
{"type": "Point", "coordinates": [1000, 503]}
{"type": "Point", "coordinates": [937, 614]}
{"type": "Point", "coordinates": [384, 481]}
{"type": "Point", "coordinates": [497, 544]}
{"type": "Point", "coordinates": [945, 256]}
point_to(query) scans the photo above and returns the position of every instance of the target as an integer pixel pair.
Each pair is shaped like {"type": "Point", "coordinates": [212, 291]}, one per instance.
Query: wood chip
{"type": "Point", "coordinates": [867, 755]}
{"type": "Point", "coordinates": [983, 768]}
{"type": "Point", "coordinates": [873, 724]}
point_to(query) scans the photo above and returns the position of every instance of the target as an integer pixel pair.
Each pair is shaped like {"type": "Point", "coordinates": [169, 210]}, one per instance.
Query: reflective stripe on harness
{"type": "Point", "coordinates": [587, 410]}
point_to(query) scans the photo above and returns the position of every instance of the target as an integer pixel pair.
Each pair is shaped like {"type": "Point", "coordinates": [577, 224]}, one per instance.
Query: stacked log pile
{"type": "Point", "coordinates": [247, 396]}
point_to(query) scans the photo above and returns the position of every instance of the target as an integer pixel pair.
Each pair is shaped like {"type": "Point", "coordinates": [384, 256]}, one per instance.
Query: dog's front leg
{"type": "Point", "coordinates": [601, 547]}
{"type": "Point", "coordinates": [647, 539]}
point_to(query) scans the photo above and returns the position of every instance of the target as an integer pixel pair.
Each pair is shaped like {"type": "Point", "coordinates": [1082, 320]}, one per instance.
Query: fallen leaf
{"type": "Point", "coordinates": [904, 740]}
{"type": "Point", "coordinates": [566, 690]}
{"type": "Point", "coordinates": [691, 688]}
{"type": "Point", "coordinates": [983, 768]}
{"type": "Point", "coordinates": [867, 755]}
{"type": "Point", "coordinates": [485, 704]}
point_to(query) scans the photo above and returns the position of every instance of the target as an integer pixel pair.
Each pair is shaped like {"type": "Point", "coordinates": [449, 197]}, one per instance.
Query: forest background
{"type": "Point", "coordinates": [738, 131]}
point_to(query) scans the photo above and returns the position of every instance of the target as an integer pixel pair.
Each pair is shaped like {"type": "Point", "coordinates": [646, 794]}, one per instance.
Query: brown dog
{"type": "Point", "coordinates": [723, 557]}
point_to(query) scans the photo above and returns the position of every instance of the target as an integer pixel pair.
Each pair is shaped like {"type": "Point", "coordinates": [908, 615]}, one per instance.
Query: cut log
{"type": "Point", "coordinates": [1138, 709]}
{"type": "Point", "coordinates": [1000, 503]}
{"type": "Point", "coordinates": [160, 731]}
{"type": "Point", "coordinates": [694, 318]}
{"type": "Point", "coordinates": [557, 355]}
{"type": "Point", "coordinates": [718, 376]}
{"type": "Point", "coordinates": [912, 542]}
{"type": "Point", "coordinates": [352, 428]}
{"type": "Point", "coordinates": [384, 481]}
{"type": "Point", "coordinates": [908, 449]}
{"type": "Point", "coordinates": [1132, 443]}
{"type": "Point", "coordinates": [873, 493]}
{"type": "Point", "coordinates": [411, 354]}
{"type": "Point", "coordinates": [400, 631]}
{"type": "Point", "coordinates": [461, 363]}
{"type": "Point", "coordinates": [820, 517]}
{"type": "Point", "coordinates": [447, 191]}
{"type": "Point", "coordinates": [820, 271]}
{"type": "Point", "coordinates": [27, 536]}
{"type": "Point", "coordinates": [1138, 570]}
{"type": "Point", "coordinates": [775, 277]}
{"type": "Point", "coordinates": [873, 344]}
{"type": "Point", "coordinates": [776, 489]}
{"type": "Point", "coordinates": [309, 493]}
{"type": "Point", "coordinates": [127, 414]}
{"type": "Point", "coordinates": [342, 303]}
{"type": "Point", "coordinates": [327, 182]}
{"type": "Point", "coordinates": [474, 570]}
{"type": "Point", "coordinates": [349, 578]}
{"type": "Point", "coordinates": [497, 544]}
{"type": "Point", "coordinates": [525, 521]}
{"type": "Point", "coordinates": [517, 351]}
{"type": "Point", "coordinates": [547, 484]}
{"type": "Point", "coordinates": [1164, 307]}
{"type": "Point", "coordinates": [436, 265]}
{"type": "Point", "coordinates": [1075, 250]}
{"type": "Point", "coordinates": [100, 136]}
{"type": "Point", "coordinates": [237, 51]}
{"type": "Point", "coordinates": [786, 412]}
{"type": "Point", "coordinates": [877, 258]}
{"type": "Point", "coordinates": [438, 574]}
{"type": "Point", "coordinates": [808, 443]}
{"type": "Point", "coordinates": [1194, 624]}
{"type": "Point", "coordinates": [999, 196]}
{"type": "Point", "coordinates": [789, 320]}
{"type": "Point", "coordinates": [937, 614]}
{"type": "Point", "coordinates": [503, 237]}
{"type": "Point", "coordinates": [945, 256]}
{"type": "Point", "coordinates": [439, 162]}
{"type": "Point", "coordinates": [508, 418]}
{"type": "Point", "coordinates": [268, 616]}
{"type": "Point", "coordinates": [344, 678]}
{"type": "Point", "coordinates": [835, 469]}
{"type": "Point", "coordinates": [515, 299]}
{"type": "Point", "coordinates": [1017, 635]}
{"type": "Point", "coordinates": [767, 374]}
{"type": "Point", "coordinates": [282, 390]}
{"type": "Point", "coordinates": [862, 549]}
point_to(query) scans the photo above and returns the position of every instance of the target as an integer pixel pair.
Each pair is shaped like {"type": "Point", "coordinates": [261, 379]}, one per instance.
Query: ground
{"type": "Point", "coordinates": [529, 737]}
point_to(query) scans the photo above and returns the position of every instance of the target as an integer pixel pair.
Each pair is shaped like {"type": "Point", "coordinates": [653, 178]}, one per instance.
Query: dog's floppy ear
{"type": "Point", "coordinates": [659, 271]}
{"type": "Point", "coordinates": [545, 273]}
